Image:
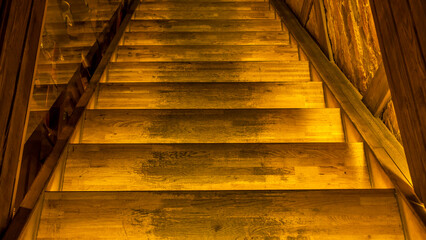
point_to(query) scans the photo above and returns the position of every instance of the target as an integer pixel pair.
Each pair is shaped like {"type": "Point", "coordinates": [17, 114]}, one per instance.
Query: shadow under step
{"type": "Point", "coordinates": [323, 214]}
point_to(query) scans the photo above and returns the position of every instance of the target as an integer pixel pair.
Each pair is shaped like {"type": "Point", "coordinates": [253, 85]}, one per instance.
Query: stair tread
{"type": "Point", "coordinates": [206, 38]}
{"type": "Point", "coordinates": [166, 25]}
{"type": "Point", "coordinates": [209, 95]}
{"type": "Point", "coordinates": [331, 214]}
{"type": "Point", "coordinates": [185, 72]}
{"type": "Point", "coordinates": [136, 167]}
{"type": "Point", "coordinates": [183, 38]}
{"type": "Point", "coordinates": [212, 126]}
{"type": "Point", "coordinates": [194, 6]}
{"type": "Point", "coordinates": [172, 14]}
{"type": "Point", "coordinates": [184, 53]}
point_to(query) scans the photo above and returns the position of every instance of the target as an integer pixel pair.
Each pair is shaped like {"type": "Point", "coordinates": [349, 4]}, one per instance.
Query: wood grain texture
{"type": "Point", "coordinates": [212, 126]}
{"type": "Point", "coordinates": [185, 53]}
{"type": "Point", "coordinates": [378, 93]}
{"type": "Point", "coordinates": [20, 36]}
{"type": "Point", "coordinates": [135, 72]}
{"type": "Point", "coordinates": [205, 38]}
{"type": "Point", "coordinates": [221, 215]}
{"type": "Point", "coordinates": [177, 14]}
{"type": "Point", "coordinates": [217, 25]}
{"type": "Point", "coordinates": [115, 167]}
{"type": "Point", "coordinates": [404, 62]}
{"type": "Point", "coordinates": [209, 95]}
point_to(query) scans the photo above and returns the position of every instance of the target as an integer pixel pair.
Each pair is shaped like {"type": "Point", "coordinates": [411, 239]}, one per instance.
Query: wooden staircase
{"type": "Point", "coordinates": [207, 125]}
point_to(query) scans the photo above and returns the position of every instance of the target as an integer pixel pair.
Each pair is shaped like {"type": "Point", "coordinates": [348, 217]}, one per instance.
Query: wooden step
{"type": "Point", "coordinates": [137, 167]}
{"type": "Point", "coordinates": [206, 38]}
{"type": "Point", "coordinates": [193, 6]}
{"type": "Point", "coordinates": [212, 126]}
{"type": "Point", "coordinates": [185, 53]}
{"type": "Point", "coordinates": [126, 72]}
{"type": "Point", "coordinates": [326, 215]}
{"type": "Point", "coordinates": [194, 14]}
{"type": "Point", "coordinates": [182, 38]}
{"type": "Point", "coordinates": [192, 95]}
{"type": "Point", "coordinates": [209, 95]}
{"type": "Point", "coordinates": [217, 25]}
{"type": "Point", "coordinates": [256, 25]}
{"type": "Point", "coordinates": [54, 17]}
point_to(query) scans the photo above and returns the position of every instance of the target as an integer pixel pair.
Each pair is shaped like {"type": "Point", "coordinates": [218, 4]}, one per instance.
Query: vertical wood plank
{"type": "Point", "coordinates": [405, 67]}
{"type": "Point", "coordinates": [378, 93]}
{"type": "Point", "coordinates": [323, 40]}
{"type": "Point", "coordinates": [306, 10]}
{"type": "Point", "coordinates": [16, 74]}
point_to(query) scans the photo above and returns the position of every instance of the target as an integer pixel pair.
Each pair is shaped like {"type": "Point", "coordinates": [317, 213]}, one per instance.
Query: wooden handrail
{"type": "Point", "coordinates": [61, 120]}
{"type": "Point", "coordinates": [388, 151]}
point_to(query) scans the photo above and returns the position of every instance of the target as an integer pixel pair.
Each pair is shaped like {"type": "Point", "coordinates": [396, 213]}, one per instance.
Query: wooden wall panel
{"type": "Point", "coordinates": [17, 63]}
{"type": "Point", "coordinates": [401, 43]}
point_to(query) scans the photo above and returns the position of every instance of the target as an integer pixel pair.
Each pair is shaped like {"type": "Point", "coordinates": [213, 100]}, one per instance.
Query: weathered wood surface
{"type": "Point", "coordinates": [403, 46]}
{"type": "Point", "coordinates": [179, 14]}
{"type": "Point", "coordinates": [180, 25]}
{"type": "Point", "coordinates": [378, 93]}
{"type": "Point", "coordinates": [128, 72]}
{"type": "Point", "coordinates": [205, 38]}
{"type": "Point", "coordinates": [217, 25]}
{"type": "Point", "coordinates": [115, 167]}
{"type": "Point", "coordinates": [333, 214]}
{"type": "Point", "coordinates": [20, 35]}
{"type": "Point", "coordinates": [185, 53]}
{"type": "Point", "coordinates": [209, 95]}
{"type": "Point", "coordinates": [212, 126]}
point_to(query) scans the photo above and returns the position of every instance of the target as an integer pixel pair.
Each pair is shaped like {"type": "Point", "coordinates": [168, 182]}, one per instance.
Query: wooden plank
{"type": "Point", "coordinates": [222, 215]}
{"type": "Point", "coordinates": [206, 38]}
{"type": "Point", "coordinates": [306, 10]}
{"type": "Point", "coordinates": [210, 95]}
{"type": "Point", "coordinates": [137, 167]}
{"type": "Point", "coordinates": [213, 126]}
{"type": "Point", "coordinates": [216, 25]}
{"type": "Point", "coordinates": [185, 53]}
{"type": "Point", "coordinates": [385, 147]}
{"type": "Point", "coordinates": [323, 39]}
{"type": "Point", "coordinates": [413, 228]}
{"type": "Point", "coordinates": [399, 42]}
{"type": "Point", "coordinates": [121, 72]}
{"type": "Point", "coordinates": [18, 58]}
{"type": "Point", "coordinates": [188, 15]}
{"type": "Point", "coordinates": [378, 93]}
